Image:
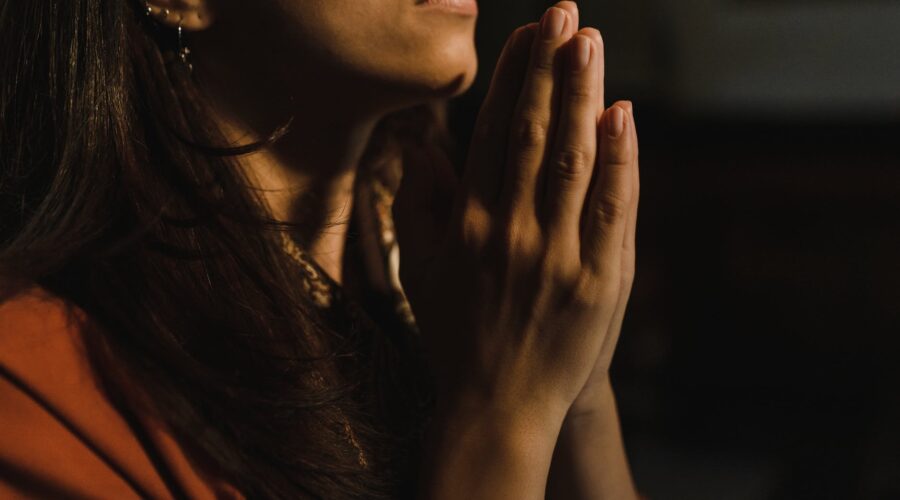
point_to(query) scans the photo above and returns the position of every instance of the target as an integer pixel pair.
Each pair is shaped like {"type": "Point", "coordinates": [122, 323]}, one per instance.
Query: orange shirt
{"type": "Point", "coordinates": [60, 436]}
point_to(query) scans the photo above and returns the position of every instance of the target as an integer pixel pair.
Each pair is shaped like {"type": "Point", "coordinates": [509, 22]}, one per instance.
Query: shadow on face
{"type": "Point", "coordinates": [369, 56]}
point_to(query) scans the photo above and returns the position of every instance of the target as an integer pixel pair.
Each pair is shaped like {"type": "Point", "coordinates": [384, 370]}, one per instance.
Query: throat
{"type": "Point", "coordinates": [329, 249]}
{"type": "Point", "coordinates": [323, 211]}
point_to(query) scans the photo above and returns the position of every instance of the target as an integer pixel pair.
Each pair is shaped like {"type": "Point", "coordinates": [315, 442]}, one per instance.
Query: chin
{"type": "Point", "coordinates": [451, 80]}
{"type": "Point", "coordinates": [431, 68]}
{"type": "Point", "coordinates": [444, 72]}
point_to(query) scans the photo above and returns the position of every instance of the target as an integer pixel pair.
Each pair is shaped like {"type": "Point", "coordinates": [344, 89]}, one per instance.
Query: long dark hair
{"type": "Point", "coordinates": [114, 197]}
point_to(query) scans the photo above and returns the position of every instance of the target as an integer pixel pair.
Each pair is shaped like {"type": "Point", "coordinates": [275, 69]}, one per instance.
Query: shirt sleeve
{"type": "Point", "coordinates": [60, 436]}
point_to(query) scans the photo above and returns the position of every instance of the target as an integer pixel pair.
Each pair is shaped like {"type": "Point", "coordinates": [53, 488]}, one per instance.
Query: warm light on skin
{"type": "Point", "coordinates": [340, 57]}
{"type": "Point", "coordinates": [336, 67]}
{"type": "Point", "coordinates": [522, 378]}
{"type": "Point", "coordinates": [398, 43]}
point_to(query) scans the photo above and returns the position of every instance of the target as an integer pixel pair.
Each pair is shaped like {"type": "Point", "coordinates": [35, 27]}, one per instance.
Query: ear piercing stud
{"type": "Point", "coordinates": [148, 9]}
{"type": "Point", "coordinates": [183, 52]}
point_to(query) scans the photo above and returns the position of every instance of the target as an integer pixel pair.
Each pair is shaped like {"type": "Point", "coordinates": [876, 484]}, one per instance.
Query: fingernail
{"type": "Point", "coordinates": [616, 122]}
{"type": "Point", "coordinates": [581, 53]}
{"type": "Point", "coordinates": [554, 23]}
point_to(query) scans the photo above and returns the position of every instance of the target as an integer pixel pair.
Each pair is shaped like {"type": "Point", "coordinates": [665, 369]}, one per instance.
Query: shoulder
{"type": "Point", "coordinates": [40, 340]}
{"type": "Point", "coordinates": [60, 436]}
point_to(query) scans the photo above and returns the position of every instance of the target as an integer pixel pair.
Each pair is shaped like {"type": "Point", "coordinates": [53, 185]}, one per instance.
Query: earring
{"type": "Point", "coordinates": [148, 9]}
{"type": "Point", "coordinates": [183, 51]}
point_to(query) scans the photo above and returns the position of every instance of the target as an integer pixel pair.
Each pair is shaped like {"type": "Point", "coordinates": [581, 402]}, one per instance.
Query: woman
{"type": "Point", "coordinates": [199, 267]}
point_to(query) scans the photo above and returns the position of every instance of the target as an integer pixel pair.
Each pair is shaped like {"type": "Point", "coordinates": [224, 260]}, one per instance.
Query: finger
{"type": "Point", "coordinates": [595, 35]}
{"type": "Point", "coordinates": [487, 153]}
{"type": "Point", "coordinates": [629, 243]}
{"type": "Point", "coordinates": [612, 194]}
{"type": "Point", "coordinates": [572, 9]}
{"type": "Point", "coordinates": [534, 114]}
{"type": "Point", "coordinates": [571, 164]}
{"type": "Point", "coordinates": [629, 253]}
{"type": "Point", "coordinates": [574, 17]}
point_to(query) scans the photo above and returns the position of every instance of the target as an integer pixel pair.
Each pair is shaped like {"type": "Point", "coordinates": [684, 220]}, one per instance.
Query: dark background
{"type": "Point", "coordinates": [760, 353]}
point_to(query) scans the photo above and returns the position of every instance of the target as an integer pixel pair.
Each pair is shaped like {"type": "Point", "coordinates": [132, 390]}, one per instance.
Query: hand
{"type": "Point", "coordinates": [517, 297]}
{"type": "Point", "coordinates": [591, 395]}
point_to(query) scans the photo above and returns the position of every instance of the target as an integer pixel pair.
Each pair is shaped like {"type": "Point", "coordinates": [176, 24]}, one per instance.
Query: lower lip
{"type": "Point", "coordinates": [465, 7]}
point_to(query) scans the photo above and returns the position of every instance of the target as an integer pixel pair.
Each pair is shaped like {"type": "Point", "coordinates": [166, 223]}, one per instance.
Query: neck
{"type": "Point", "coordinates": [306, 177]}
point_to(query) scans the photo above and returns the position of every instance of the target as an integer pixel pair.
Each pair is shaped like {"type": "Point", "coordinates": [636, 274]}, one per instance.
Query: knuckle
{"type": "Point", "coordinates": [485, 130]}
{"type": "Point", "coordinates": [517, 239]}
{"type": "Point", "coordinates": [581, 92]}
{"type": "Point", "coordinates": [583, 297]}
{"type": "Point", "coordinates": [606, 285]}
{"type": "Point", "coordinates": [542, 64]}
{"type": "Point", "coordinates": [474, 226]}
{"type": "Point", "coordinates": [611, 207]}
{"type": "Point", "coordinates": [560, 271]}
{"type": "Point", "coordinates": [618, 154]}
{"type": "Point", "coordinates": [616, 157]}
{"type": "Point", "coordinates": [529, 134]}
{"type": "Point", "coordinates": [588, 293]}
{"type": "Point", "coordinates": [505, 240]}
{"type": "Point", "coordinates": [570, 163]}
{"type": "Point", "coordinates": [602, 265]}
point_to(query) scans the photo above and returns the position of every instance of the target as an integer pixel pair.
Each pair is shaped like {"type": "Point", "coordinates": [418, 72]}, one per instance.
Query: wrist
{"type": "Point", "coordinates": [590, 459]}
{"type": "Point", "coordinates": [482, 450]}
{"type": "Point", "coordinates": [534, 409]}
{"type": "Point", "coordinates": [594, 399]}
{"type": "Point", "coordinates": [539, 419]}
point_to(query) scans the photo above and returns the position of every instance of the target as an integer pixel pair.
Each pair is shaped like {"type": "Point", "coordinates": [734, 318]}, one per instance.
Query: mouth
{"type": "Point", "coordinates": [465, 7]}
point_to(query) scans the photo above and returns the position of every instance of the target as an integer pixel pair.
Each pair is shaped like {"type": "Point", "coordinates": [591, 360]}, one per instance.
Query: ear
{"type": "Point", "coordinates": [191, 15]}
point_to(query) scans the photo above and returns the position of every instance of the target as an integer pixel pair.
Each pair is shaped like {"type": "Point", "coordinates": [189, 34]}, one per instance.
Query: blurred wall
{"type": "Point", "coordinates": [817, 58]}
{"type": "Point", "coordinates": [821, 59]}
